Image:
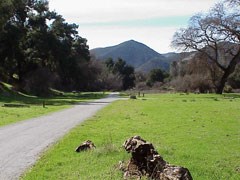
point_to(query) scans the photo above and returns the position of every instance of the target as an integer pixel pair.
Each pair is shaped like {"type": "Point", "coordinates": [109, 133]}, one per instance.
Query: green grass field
{"type": "Point", "coordinates": [33, 106]}
{"type": "Point", "coordinates": [200, 132]}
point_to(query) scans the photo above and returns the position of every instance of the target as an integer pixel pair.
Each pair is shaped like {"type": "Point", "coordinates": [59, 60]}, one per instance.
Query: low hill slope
{"type": "Point", "coordinates": [155, 63]}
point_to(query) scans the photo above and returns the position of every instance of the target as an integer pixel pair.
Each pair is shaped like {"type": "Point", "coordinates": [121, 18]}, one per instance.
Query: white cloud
{"type": "Point", "coordinates": [158, 38]}
{"type": "Point", "coordinates": [97, 11]}
{"type": "Point", "coordinates": [117, 10]}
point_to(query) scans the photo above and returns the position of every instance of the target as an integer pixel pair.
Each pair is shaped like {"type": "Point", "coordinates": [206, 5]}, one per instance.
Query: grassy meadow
{"type": "Point", "coordinates": [200, 132]}
{"type": "Point", "coordinates": [25, 107]}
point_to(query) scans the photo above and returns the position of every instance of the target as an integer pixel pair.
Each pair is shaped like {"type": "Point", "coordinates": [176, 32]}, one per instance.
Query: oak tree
{"type": "Point", "coordinates": [217, 36]}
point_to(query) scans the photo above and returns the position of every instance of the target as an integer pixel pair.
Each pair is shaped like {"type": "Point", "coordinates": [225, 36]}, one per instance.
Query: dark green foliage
{"type": "Point", "coordinates": [123, 70]}
{"type": "Point", "coordinates": [39, 81]}
{"type": "Point", "coordinates": [156, 75]}
{"type": "Point", "coordinates": [109, 63]}
{"type": "Point", "coordinates": [128, 77]}
{"type": "Point", "coordinates": [33, 38]}
{"type": "Point", "coordinates": [6, 8]}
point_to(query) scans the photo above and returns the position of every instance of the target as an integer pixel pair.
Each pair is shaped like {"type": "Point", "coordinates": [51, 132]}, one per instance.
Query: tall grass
{"type": "Point", "coordinates": [200, 132]}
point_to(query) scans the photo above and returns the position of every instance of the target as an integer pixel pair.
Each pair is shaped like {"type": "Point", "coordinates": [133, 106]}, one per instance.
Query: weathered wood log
{"type": "Point", "coordinates": [146, 161]}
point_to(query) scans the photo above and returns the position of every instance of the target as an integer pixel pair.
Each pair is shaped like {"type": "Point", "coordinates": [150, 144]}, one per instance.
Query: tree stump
{"type": "Point", "coordinates": [146, 161]}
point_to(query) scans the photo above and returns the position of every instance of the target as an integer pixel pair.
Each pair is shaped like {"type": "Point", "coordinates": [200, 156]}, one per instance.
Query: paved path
{"type": "Point", "coordinates": [21, 143]}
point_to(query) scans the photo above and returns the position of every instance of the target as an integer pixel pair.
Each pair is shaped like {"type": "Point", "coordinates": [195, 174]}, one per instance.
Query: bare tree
{"type": "Point", "coordinates": [233, 2]}
{"type": "Point", "coordinates": [217, 36]}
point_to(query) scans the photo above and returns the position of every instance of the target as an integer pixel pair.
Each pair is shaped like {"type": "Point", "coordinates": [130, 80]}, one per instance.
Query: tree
{"type": "Point", "coordinates": [12, 40]}
{"type": "Point", "coordinates": [6, 10]}
{"type": "Point", "coordinates": [35, 40]}
{"type": "Point", "coordinates": [233, 2]}
{"type": "Point", "coordinates": [109, 63]}
{"type": "Point", "coordinates": [71, 53]}
{"type": "Point", "coordinates": [192, 75]}
{"type": "Point", "coordinates": [122, 71]}
{"type": "Point", "coordinates": [234, 79]}
{"type": "Point", "coordinates": [128, 77]}
{"type": "Point", "coordinates": [156, 75]}
{"type": "Point", "coordinates": [217, 36]}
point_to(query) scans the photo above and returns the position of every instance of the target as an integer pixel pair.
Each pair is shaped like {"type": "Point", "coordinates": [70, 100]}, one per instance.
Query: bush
{"type": "Point", "coordinates": [142, 86]}
{"type": "Point", "coordinates": [192, 83]}
{"type": "Point", "coordinates": [228, 89]}
{"type": "Point", "coordinates": [133, 97]}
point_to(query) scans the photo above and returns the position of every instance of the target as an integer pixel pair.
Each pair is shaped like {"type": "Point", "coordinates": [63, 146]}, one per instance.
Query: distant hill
{"type": "Point", "coordinates": [154, 63]}
{"type": "Point", "coordinates": [137, 54]}
{"type": "Point", "coordinates": [170, 57]}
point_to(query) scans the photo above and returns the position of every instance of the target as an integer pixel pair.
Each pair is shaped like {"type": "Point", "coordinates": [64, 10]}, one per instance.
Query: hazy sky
{"type": "Point", "coordinates": [110, 22]}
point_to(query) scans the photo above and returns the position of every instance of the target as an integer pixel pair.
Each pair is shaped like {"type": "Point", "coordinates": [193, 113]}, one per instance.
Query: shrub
{"type": "Point", "coordinates": [228, 89]}
{"type": "Point", "coordinates": [192, 83]}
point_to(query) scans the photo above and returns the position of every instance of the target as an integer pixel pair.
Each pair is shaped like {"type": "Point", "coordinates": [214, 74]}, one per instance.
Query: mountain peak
{"type": "Point", "coordinates": [137, 54]}
{"type": "Point", "coordinates": [131, 51]}
{"type": "Point", "coordinates": [132, 41]}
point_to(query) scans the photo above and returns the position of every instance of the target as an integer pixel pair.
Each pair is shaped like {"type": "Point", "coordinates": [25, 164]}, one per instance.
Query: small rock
{"type": "Point", "coordinates": [133, 97]}
{"type": "Point", "coordinates": [86, 145]}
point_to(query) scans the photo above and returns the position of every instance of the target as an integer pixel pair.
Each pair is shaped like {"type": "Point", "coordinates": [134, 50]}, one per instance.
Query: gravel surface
{"type": "Point", "coordinates": [21, 143]}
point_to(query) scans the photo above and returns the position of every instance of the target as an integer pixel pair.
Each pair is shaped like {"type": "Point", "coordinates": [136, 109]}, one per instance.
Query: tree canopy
{"type": "Point", "coordinates": [32, 38]}
{"type": "Point", "coordinates": [217, 36]}
{"type": "Point", "coordinates": [123, 70]}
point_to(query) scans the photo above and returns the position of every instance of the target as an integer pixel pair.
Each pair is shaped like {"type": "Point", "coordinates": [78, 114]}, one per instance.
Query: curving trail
{"type": "Point", "coordinates": [21, 143]}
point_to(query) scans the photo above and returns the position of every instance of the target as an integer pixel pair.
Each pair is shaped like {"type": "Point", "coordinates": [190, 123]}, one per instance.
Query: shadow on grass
{"type": "Point", "coordinates": [60, 100]}
{"type": "Point", "coordinates": [231, 95]}
{"type": "Point", "coordinates": [210, 96]}
{"type": "Point", "coordinates": [93, 103]}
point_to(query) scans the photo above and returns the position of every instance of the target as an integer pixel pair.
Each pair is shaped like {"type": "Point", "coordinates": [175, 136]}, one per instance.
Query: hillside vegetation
{"type": "Point", "coordinates": [200, 132]}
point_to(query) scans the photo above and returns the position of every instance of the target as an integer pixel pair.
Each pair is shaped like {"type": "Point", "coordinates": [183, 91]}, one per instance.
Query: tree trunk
{"type": "Point", "coordinates": [220, 86]}
{"type": "Point", "coordinates": [227, 72]}
{"type": "Point", "coordinates": [224, 78]}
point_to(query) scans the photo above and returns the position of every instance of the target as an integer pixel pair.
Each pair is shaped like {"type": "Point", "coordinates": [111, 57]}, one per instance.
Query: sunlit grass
{"type": "Point", "coordinates": [36, 106]}
{"type": "Point", "coordinates": [194, 131]}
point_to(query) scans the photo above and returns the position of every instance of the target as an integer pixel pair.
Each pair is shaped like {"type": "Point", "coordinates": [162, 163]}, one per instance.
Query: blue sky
{"type": "Point", "coordinates": [110, 22]}
{"type": "Point", "coordinates": [150, 22]}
